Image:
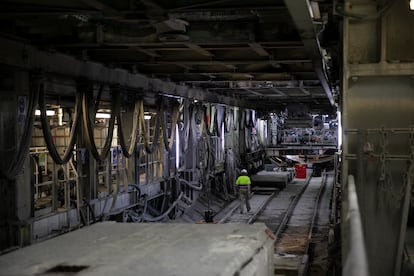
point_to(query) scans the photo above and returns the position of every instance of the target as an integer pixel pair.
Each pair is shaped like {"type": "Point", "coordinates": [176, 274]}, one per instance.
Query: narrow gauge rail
{"type": "Point", "coordinates": [294, 233]}
{"type": "Point", "coordinates": [258, 201]}
{"type": "Point", "coordinates": [290, 213]}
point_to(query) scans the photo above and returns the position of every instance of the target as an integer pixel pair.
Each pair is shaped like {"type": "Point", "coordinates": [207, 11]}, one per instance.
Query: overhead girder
{"type": "Point", "coordinates": [28, 57]}
{"type": "Point", "coordinates": [299, 11]}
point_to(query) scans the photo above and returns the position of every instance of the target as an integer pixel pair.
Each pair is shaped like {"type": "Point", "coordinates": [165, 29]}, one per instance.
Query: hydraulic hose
{"type": "Point", "coordinates": [136, 187]}
{"type": "Point", "coordinates": [88, 127]}
{"type": "Point", "coordinates": [17, 160]}
{"type": "Point", "coordinates": [128, 151]}
{"type": "Point", "coordinates": [189, 184]}
{"type": "Point", "coordinates": [48, 135]}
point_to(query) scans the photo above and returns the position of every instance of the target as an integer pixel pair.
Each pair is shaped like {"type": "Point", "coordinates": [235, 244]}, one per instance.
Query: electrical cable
{"type": "Point", "coordinates": [17, 161]}
{"type": "Point", "coordinates": [128, 151]}
{"type": "Point", "coordinates": [51, 147]}
{"type": "Point", "coordinates": [89, 127]}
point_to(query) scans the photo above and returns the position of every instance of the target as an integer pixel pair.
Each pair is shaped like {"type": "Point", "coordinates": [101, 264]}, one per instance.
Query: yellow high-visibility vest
{"type": "Point", "coordinates": [243, 180]}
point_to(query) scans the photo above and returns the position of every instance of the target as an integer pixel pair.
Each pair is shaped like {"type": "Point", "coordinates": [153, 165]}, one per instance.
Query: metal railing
{"type": "Point", "coordinates": [356, 262]}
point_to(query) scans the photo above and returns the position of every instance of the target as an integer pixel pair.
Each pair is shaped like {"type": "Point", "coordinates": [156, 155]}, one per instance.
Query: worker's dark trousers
{"type": "Point", "coordinates": [244, 199]}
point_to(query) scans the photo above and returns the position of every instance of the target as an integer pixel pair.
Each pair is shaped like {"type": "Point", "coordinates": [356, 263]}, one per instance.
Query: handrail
{"type": "Point", "coordinates": [356, 262]}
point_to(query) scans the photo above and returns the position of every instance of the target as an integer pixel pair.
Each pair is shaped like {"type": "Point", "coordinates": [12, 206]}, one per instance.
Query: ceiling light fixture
{"type": "Point", "coordinates": [100, 115]}
{"type": "Point", "coordinates": [48, 112]}
{"type": "Point", "coordinates": [412, 5]}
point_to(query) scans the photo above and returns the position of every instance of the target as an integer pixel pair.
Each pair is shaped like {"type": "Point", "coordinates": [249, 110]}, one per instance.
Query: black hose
{"type": "Point", "coordinates": [17, 160]}
{"type": "Point", "coordinates": [127, 151]}
{"type": "Point", "coordinates": [136, 188]}
{"type": "Point", "coordinates": [48, 136]}
{"type": "Point", "coordinates": [88, 127]}
{"type": "Point", "coordinates": [98, 98]}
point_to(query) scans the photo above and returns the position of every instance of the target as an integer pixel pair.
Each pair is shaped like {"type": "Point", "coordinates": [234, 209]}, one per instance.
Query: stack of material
{"type": "Point", "coordinates": [276, 179]}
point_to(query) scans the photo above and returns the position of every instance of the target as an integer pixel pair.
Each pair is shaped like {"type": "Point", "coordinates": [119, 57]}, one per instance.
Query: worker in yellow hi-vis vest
{"type": "Point", "coordinates": [243, 188]}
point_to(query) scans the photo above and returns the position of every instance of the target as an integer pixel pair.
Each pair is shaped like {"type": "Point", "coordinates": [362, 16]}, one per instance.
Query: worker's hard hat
{"type": "Point", "coordinates": [244, 171]}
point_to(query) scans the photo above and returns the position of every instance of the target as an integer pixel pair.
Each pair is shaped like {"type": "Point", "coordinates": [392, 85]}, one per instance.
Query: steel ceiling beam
{"type": "Point", "coordinates": [99, 5]}
{"type": "Point", "coordinates": [198, 49]}
{"type": "Point", "coordinates": [21, 55]}
{"type": "Point", "coordinates": [258, 49]}
{"type": "Point", "coordinates": [148, 52]}
{"type": "Point", "coordinates": [213, 62]}
{"type": "Point", "coordinates": [299, 11]}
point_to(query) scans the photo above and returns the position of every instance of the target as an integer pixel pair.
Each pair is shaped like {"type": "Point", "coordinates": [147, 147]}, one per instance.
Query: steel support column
{"type": "Point", "coordinates": [377, 98]}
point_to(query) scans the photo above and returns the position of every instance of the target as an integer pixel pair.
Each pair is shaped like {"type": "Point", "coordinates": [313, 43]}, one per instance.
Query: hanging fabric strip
{"type": "Point", "coordinates": [247, 139]}
{"type": "Point", "coordinates": [157, 129]}
{"type": "Point", "coordinates": [228, 120]}
{"type": "Point", "coordinates": [186, 119]}
{"type": "Point", "coordinates": [15, 165]}
{"type": "Point", "coordinates": [89, 125]}
{"type": "Point", "coordinates": [51, 147]}
{"type": "Point", "coordinates": [128, 151]}
{"type": "Point", "coordinates": [220, 118]}
{"type": "Point", "coordinates": [236, 117]}
{"type": "Point", "coordinates": [253, 118]}
{"type": "Point", "coordinates": [197, 121]}
{"type": "Point", "coordinates": [213, 122]}
{"type": "Point", "coordinates": [247, 120]}
{"type": "Point", "coordinates": [242, 121]}
{"type": "Point", "coordinates": [169, 142]}
{"type": "Point", "coordinates": [207, 118]}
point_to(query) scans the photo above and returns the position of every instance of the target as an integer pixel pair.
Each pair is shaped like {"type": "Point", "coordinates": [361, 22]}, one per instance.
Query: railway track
{"type": "Point", "coordinates": [290, 213]}
{"type": "Point", "coordinates": [294, 233]}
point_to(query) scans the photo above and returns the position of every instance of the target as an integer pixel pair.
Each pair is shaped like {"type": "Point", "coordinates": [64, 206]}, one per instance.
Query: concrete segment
{"type": "Point", "coordinates": [149, 249]}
